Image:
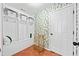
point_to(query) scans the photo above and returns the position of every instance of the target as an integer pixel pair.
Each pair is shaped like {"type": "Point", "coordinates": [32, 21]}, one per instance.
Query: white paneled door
{"type": "Point", "coordinates": [61, 31]}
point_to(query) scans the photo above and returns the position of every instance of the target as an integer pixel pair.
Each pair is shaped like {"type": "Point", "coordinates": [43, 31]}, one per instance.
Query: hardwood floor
{"type": "Point", "coordinates": [34, 52]}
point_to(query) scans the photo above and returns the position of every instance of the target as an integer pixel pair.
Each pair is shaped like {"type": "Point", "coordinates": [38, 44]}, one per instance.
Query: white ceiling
{"type": "Point", "coordinates": [32, 10]}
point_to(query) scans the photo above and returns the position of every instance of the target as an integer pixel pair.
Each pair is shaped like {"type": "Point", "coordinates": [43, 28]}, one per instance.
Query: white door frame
{"type": "Point", "coordinates": [1, 25]}
{"type": "Point", "coordinates": [74, 28]}
{"type": "Point", "coordinates": [78, 27]}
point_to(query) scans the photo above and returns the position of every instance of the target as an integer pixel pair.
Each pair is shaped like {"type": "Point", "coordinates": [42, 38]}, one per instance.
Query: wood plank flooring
{"type": "Point", "coordinates": [33, 52]}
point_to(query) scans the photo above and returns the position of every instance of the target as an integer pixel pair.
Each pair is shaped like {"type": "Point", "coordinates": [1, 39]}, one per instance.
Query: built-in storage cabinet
{"type": "Point", "coordinates": [30, 22]}
{"type": "Point", "coordinates": [26, 27]}
{"type": "Point", "coordinates": [10, 26]}
{"type": "Point", "coordinates": [18, 30]}
{"type": "Point", "coordinates": [23, 27]}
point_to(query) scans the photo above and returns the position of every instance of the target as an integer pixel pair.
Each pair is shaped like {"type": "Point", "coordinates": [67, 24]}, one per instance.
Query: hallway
{"type": "Point", "coordinates": [33, 52]}
{"type": "Point", "coordinates": [43, 29]}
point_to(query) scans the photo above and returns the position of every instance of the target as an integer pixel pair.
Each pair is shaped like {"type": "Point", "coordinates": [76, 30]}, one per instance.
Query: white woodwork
{"type": "Point", "coordinates": [17, 29]}
{"type": "Point", "coordinates": [61, 25]}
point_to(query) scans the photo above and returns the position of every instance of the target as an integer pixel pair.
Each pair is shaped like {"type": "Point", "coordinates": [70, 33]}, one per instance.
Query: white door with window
{"type": "Point", "coordinates": [61, 31]}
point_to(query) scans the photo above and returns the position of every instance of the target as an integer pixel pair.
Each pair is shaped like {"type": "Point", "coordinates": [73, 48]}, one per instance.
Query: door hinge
{"type": "Point", "coordinates": [0, 49]}
{"type": "Point", "coordinates": [73, 53]}
{"type": "Point", "coordinates": [73, 32]}
{"type": "Point", "coordinates": [73, 12]}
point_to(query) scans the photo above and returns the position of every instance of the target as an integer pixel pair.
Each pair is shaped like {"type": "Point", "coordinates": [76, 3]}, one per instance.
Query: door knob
{"type": "Point", "coordinates": [75, 43]}
{"type": "Point", "coordinates": [51, 33]}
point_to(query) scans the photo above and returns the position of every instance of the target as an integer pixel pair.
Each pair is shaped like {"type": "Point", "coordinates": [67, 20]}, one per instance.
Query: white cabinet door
{"type": "Point", "coordinates": [61, 31]}
{"type": "Point", "coordinates": [22, 31]}
{"type": "Point", "coordinates": [30, 23]}
{"type": "Point", "coordinates": [22, 27]}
